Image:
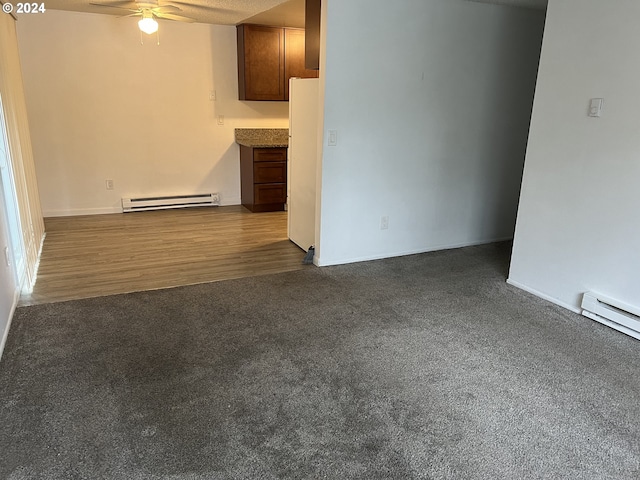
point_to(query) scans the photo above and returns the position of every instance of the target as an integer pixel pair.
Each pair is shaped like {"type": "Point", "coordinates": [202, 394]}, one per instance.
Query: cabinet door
{"type": "Point", "coordinates": [270, 193]}
{"type": "Point", "coordinates": [312, 34]}
{"type": "Point", "coordinates": [294, 57]}
{"type": "Point", "coordinates": [261, 63]}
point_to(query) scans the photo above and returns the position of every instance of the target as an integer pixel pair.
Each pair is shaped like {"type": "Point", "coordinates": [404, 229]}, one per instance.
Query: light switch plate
{"type": "Point", "coordinates": [333, 138]}
{"type": "Point", "coordinates": [595, 107]}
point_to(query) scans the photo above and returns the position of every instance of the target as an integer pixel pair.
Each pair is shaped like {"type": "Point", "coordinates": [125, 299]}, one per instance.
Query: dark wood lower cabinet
{"type": "Point", "coordinates": [263, 178]}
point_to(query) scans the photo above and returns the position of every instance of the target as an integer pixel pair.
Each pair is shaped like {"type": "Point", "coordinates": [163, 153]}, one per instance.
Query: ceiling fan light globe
{"type": "Point", "coordinates": [148, 25]}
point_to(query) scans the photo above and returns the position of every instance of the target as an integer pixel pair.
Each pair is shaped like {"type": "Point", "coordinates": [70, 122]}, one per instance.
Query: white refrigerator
{"type": "Point", "coordinates": [303, 152]}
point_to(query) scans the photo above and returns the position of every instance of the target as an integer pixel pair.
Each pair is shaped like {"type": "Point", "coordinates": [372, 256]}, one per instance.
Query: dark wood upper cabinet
{"type": "Point", "coordinates": [294, 40]}
{"type": "Point", "coordinates": [312, 34]}
{"type": "Point", "coordinates": [267, 58]}
{"type": "Point", "coordinates": [260, 63]}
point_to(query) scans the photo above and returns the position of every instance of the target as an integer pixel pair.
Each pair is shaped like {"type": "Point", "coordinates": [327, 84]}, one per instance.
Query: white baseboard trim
{"type": "Point", "coordinates": [544, 296]}
{"type": "Point", "coordinates": [367, 258]}
{"type": "Point", "coordinates": [44, 235]}
{"type": "Point", "coordinates": [5, 334]}
{"type": "Point", "coordinates": [29, 288]}
{"type": "Point", "coordinates": [16, 296]}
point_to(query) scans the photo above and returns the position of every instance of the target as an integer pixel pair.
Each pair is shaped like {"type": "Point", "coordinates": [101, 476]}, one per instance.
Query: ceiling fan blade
{"type": "Point", "coordinates": [201, 7]}
{"type": "Point", "coordinates": [166, 9]}
{"type": "Point", "coordinates": [171, 16]}
{"type": "Point", "coordinates": [104, 5]}
{"type": "Point", "coordinates": [117, 3]}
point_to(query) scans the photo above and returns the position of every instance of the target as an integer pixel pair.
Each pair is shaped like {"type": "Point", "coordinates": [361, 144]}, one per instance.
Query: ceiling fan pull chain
{"type": "Point", "coordinates": [158, 36]}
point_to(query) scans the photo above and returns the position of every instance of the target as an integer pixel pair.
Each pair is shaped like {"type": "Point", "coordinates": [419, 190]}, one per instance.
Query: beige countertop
{"type": "Point", "coordinates": [262, 137]}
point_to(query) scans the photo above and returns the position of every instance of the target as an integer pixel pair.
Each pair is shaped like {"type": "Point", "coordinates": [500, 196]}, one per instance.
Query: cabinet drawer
{"type": "Point", "coordinates": [270, 193]}
{"type": "Point", "coordinates": [269, 154]}
{"type": "Point", "coordinates": [269, 172]}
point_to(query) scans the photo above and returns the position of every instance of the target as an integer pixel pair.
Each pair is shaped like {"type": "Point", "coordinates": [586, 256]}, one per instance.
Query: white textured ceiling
{"type": "Point", "coordinates": [221, 12]}
{"type": "Point", "coordinates": [232, 12]}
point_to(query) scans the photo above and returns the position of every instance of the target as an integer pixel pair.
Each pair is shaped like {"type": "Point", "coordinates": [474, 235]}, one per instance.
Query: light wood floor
{"type": "Point", "coordinates": [95, 255]}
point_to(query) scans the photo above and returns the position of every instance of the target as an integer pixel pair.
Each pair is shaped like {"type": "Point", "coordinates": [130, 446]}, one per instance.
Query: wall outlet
{"type": "Point", "coordinates": [212, 96]}
{"type": "Point", "coordinates": [215, 197]}
{"type": "Point", "coordinates": [220, 119]}
{"type": "Point", "coordinates": [109, 184]}
{"type": "Point", "coordinates": [384, 222]}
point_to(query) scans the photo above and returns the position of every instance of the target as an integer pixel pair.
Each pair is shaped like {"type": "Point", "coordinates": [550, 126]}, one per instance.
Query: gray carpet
{"type": "Point", "coordinates": [422, 367]}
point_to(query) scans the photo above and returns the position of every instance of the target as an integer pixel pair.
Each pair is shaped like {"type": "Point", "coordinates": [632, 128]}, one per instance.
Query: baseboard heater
{"type": "Point", "coordinates": [142, 204]}
{"type": "Point", "coordinates": [612, 313]}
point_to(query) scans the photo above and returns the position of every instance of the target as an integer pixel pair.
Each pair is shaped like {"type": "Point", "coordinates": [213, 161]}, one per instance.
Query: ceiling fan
{"type": "Point", "coordinates": [149, 10]}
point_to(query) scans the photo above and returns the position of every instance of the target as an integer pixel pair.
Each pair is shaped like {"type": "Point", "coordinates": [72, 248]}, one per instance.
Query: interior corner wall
{"type": "Point", "coordinates": [320, 144]}
{"type": "Point", "coordinates": [103, 106]}
{"type": "Point", "coordinates": [578, 226]}
{"type": "Point", "coordinates": [9, 289]}
{"type": "Point", "coordinates": [431, 102]}
{"type": "Point", "coordinates": [19, 165]}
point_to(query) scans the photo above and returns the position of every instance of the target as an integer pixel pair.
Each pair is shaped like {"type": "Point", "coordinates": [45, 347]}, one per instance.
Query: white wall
{"type": "Point", "coordinates": [8, 287]}
{"type": "Point", "coordinates": [578, 225]}
{"type": "Point", "coordinates": [431, 101]}
{"type": "Point", "coordinates": [8, 273]}
{"type": "Point", "coordinates": [102, 106]}
{"type": "Point", "coordinates": [19, 166]}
